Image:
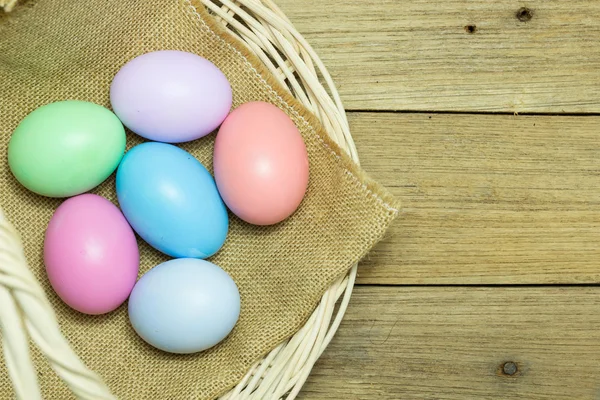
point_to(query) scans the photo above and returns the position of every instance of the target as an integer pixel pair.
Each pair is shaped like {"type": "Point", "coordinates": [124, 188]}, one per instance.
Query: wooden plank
{"type": "Point", "coordinates": [420, 54]}
{"type": "Point", "coordinates": [487, 199]}
{"type": "Point", "coordinates": [452, 343]}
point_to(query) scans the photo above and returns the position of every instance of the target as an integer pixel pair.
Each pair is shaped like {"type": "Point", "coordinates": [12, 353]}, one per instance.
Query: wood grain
{"type": "Point", "coordinates": [420, 55]}
{"type": "Point", "coordinates": [451, 343]}
{"type": "Point", "coordinates": [487, 199]}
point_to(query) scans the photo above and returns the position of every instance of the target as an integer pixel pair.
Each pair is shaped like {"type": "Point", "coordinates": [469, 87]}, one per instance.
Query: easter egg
{"type": "Point", "coordinates": [66, 148]}
{"type": "Point", "coordinates": [91, 254]}
{"type": "Point", "coordinates": [184, 305]}
{"type": "Point", "coordinates": [261, 164]}
{"type": "Point", "coordinates": [171, 201]}
{"type": "Point", "coordinates": [171, 96]}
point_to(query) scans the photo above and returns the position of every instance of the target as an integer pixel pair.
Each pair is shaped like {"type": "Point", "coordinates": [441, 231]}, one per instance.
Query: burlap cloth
{"type": "Point", "coordinates": [53, 50]}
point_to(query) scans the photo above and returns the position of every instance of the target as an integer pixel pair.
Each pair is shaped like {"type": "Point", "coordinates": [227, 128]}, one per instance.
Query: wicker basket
{"type": "Point", "coordinates": [26, 312]}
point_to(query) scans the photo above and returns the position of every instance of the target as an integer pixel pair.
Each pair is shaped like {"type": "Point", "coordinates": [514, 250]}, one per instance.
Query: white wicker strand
{"type": "Point", "coordinates": [308, 55]}
{"type": "Point", "coordinates": [287, 67]}
{"type": "Point", "coordinates": [298, 382]}
{"type": "Point", "coordinates": [298, 378]}
{"type": "Point", "coordinates": [296, 359]}
{"type": "Point", "coordinates": [259, 40]}
{"type": "Point", "coordinates": [267, 36]}
{"type": "Point", "coordinates": [301, 341]}
{"type": "Point", "coordinates": [14, 338]}
{"type": "Point", "coordinates": [327, 303]}
{"type": "Point", "coordinates": [274, 17]}
{"type": "Point", "coordinates": [39, 321]}
{"type": "Point", "coordinates": [257, 373]}
{"type": "Point", "coordinates": [308, 348]}
{"type": "Point", "coordinates": [273, 373]}
{"type": "Point", "coordinates": [15, 346]}
{"type": "Point", "coordinates": [8, 5]}
{"type": "Point", "coordinates": [265, 18]}
{"type": "Point", "coordinates": [260, 45]}
{"type": "Point", "coordinates": [248, 38]}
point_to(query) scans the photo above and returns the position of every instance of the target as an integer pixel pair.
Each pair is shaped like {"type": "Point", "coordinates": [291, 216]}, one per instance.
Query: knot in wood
{"type": "Point", "coordinates": [509, 368]}
{"type": "Point", "coordinates": [524, 14]}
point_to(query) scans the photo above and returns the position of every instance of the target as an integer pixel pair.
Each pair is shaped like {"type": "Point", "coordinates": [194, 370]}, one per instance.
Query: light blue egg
{"type": "Point", "coordinates": [184, 305]}
{"type": "Point", "coordinates": [171, 201]}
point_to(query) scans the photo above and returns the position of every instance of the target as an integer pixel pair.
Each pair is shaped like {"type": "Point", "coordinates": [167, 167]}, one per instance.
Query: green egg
{"type": "Point", "coordinates": [66, 148]}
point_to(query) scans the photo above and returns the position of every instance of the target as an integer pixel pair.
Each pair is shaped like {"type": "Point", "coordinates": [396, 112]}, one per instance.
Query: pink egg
{"type": "Point", "coordinates": [91, 254]}
{"type": "Point", "coordinates": [261, 164]}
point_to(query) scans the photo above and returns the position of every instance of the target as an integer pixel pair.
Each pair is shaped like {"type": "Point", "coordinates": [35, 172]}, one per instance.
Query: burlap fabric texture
{"type": "Point", "coordinates": [53, 50]}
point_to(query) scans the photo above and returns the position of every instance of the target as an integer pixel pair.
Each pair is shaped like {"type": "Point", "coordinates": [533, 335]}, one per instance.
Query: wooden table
{"type": "Point", "coordinates": [483, 117]}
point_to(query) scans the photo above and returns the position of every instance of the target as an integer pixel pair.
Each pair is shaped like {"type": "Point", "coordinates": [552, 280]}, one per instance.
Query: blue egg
{"type": "Point", "coordinates": [171, 201]}
{"type": "Point", "coordinates": [184, 305]}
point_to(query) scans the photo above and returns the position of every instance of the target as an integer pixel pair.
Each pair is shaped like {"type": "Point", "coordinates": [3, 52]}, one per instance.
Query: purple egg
{"type": "Point", "coordinates": [170, 96]}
